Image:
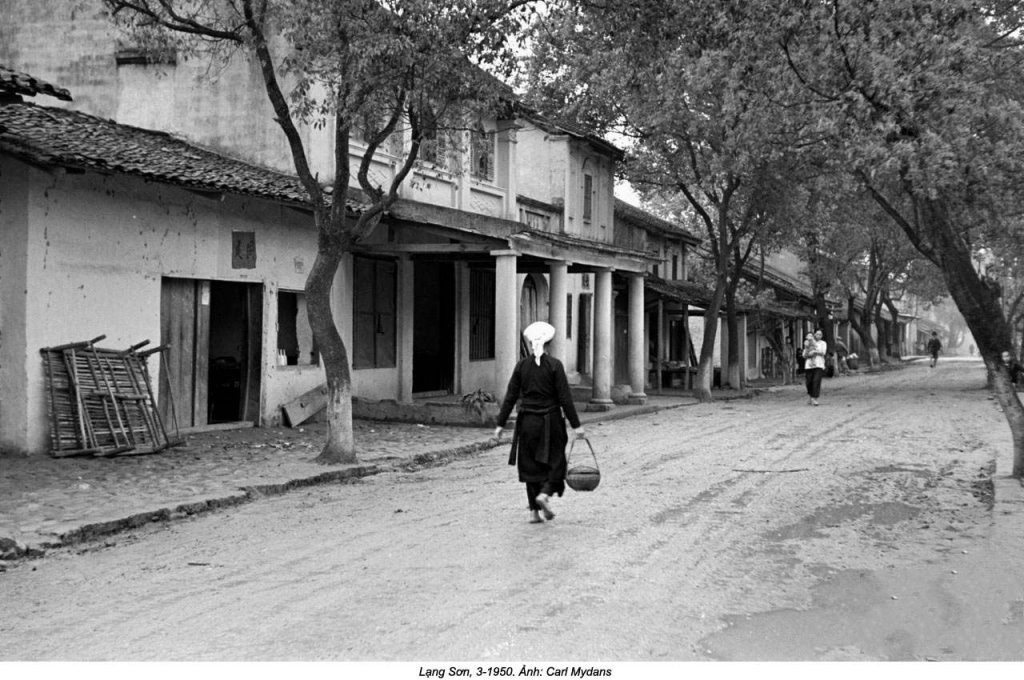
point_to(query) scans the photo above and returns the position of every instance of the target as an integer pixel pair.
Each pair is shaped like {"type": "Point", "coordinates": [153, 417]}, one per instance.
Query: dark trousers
{"type": "Point", "coordinates": [534, 489]}
{"type": "Point", "coordinates": [812, 377]}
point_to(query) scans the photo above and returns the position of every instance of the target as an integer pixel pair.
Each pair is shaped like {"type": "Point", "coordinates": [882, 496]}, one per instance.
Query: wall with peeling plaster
{"type": "Point", "coordinates": [82, 255]}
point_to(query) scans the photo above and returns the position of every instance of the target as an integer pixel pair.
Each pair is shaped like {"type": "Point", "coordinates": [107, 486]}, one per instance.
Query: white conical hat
{"type": "Point", "coordinates": [538, 334]}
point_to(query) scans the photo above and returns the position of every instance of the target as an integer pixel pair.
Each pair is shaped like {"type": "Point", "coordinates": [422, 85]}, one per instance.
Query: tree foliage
{"type": "Point", "coordinates": [355, 66]}
{"type": "Point", "coordinates": [923, 102]}
{"type": "Point", "coordinates": [679, 80]}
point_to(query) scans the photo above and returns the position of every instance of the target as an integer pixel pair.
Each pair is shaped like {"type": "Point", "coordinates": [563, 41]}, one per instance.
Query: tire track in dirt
{"type": "Point", "coordinates": [440, 564]}
{"type": "Point", "coordinates": [707, 509]}
{"type": "Point", "coordinates": [646, 551]}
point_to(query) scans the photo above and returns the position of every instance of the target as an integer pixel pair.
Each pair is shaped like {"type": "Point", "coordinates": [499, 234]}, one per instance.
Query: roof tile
{"type": "Point", "coordinates": [65, 138]}
{"type": "Point", "coordinates": [16, 82]}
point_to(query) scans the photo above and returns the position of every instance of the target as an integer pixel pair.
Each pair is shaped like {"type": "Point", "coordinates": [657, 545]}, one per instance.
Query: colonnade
{"type": "Point", "coordinates": [506, 316]}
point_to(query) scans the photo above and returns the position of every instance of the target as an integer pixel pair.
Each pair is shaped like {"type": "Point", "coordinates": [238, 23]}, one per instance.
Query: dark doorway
{"type": "Point", "coordinates": [433, 361]}
{"type": "Point", "coordinates": [583, 334]}
{"type": "Point", "coordinates": [620, 350]}
{"type": "Point", "coordinates": [234, 351]}
{"type": "Point", "coordinates": [212, 368]}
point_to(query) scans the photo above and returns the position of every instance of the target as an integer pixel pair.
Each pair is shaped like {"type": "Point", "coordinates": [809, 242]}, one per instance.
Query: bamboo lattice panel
{"type": "Point", "coordinates": [101, 401]}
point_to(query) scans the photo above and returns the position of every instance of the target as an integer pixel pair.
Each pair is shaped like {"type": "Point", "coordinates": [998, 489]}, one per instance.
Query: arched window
{"type": "Point", "coordinates": [482, 148]}
{"type": "Point", "coordinates": [529, 305]}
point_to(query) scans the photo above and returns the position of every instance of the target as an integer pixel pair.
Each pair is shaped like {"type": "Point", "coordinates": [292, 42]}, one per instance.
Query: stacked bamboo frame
{"type": "Point", "coordinates": [101, 400]}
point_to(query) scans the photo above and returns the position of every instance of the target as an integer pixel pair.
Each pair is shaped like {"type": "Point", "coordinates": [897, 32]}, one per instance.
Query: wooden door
{"type": "Point", "coordinates": [252, 367]}
{"type": "Point", "coordinates": [184, 328]}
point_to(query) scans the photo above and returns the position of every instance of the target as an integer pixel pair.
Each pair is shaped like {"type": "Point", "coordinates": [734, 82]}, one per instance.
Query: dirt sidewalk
{"type": "Point", "coordinates": [47, 502]}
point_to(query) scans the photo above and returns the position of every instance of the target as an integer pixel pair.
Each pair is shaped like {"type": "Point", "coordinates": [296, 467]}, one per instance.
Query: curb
{"type": "Point", "coordinates": [1008, 491]}
{"type": "Point", "coordinates": [12, 550]}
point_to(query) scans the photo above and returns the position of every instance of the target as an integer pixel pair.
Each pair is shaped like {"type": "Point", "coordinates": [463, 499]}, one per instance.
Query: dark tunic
{"type": "Point", "coordinates": [1016, 372]}
{"type": "Point", "coordinates": [538, 444]}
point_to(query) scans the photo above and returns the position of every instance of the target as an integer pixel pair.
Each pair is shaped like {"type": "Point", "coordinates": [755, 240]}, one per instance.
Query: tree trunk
{"type": "Point", "coordinates": [1009, 400]}
{"type": "Point", "coordinates": [731, 373]}
{"type": "Point", "coordinates": [340, 445]}
{"type": "Point", "coordinates": [863, 331]}
{"type": "Point", "coordinates": [705, 369]}
{"type": "Point", "coordinates": [823, 321]}
{"type": "Point", "coordinates": [895, 340]}
{"type": "Point", "coordinates": [978, 300]}
{"type": "Point", "coordinates": [776, 339]}
{"type": "Point", "coordinates": [882, 332]}
{"type": "Point", "coordinates": [977, 303]}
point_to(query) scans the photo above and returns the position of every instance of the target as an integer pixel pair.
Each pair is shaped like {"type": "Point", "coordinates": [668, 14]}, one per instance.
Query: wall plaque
{"type": "Point", "coordinates": [243, 250]}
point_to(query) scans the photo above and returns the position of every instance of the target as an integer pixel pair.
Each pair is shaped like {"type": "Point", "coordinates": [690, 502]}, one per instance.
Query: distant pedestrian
{"type": "Point", "coordinates": [1015, 368]}
{"type": "Point", "coordinates": [814, 353]}
{"type": "Point", "coordinates": [842, 351]}
{"type": "Point", "coordinates": [538, 442]}
{"type": "Point", "coordinates": [934, 347]}
{"type": "Point", "coordinates": [800, 360]}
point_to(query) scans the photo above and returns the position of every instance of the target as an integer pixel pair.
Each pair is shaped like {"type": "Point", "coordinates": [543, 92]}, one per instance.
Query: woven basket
{"type": "Point", "coordinates": [582, 476]}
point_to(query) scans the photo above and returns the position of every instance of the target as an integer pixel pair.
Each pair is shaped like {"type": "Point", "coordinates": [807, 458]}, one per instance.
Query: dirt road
{"type": "Point", "coordinates": [759, 529]}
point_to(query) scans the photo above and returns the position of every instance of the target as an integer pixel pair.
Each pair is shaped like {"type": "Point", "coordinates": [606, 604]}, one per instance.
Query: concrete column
{"type": "Point", "coordinates": [688, 379]}
{"type": "Point", "coordinates": [559, 273]}
{"type": "Point", "coordinates": [601, 399]}
{"type": "Point", "coordinates": [407, 284]}
{"type": "Point", "coordinates": [723, 354]}
{"type": "Point", "coordinates": [464, 180]}
{"type": "Point", "coordinates": [663, 337]}
{"type": "Point", "coordinates": [506, 320]}
{"type": "Point", "coordinates": [637, 346]}
{"type": "Point", "coordinates": [744, 351]}
{"type": "Point", "coordinates": [508, 138]}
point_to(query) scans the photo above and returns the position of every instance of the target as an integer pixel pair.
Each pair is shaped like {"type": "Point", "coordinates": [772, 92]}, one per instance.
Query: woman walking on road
{"type": "Point", "coordinates": [814, 352]}
{"type": "Point", "coordinates": [539, 438]}
{"type": "Point", "coordinates": [934, 347]}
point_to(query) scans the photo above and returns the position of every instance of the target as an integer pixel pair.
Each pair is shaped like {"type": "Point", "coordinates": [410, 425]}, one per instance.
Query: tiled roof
{"type": "Point", "coordinates": [684, 291]}
{"type": "Point", "coordinates": [16, 82]}
{"type": "Point", "coordinates": [71, 139]}
{"type": "Point", "coordinates": [790, 310]}
{"type": "Point", "coordinates": [700, 296]}
{"type": "Point", "coordinates": [564, 127]}
{"type": "Point", "coordinates": [645, 219]}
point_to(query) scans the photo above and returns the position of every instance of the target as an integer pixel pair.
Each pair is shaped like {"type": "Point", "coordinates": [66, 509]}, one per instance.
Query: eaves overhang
{"type": "Point", "coordinates": [537, 248]}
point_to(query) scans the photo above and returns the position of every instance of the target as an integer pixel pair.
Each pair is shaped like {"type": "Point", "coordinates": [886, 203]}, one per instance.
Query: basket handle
{"type": "Point", "coordinates": [573, 446]}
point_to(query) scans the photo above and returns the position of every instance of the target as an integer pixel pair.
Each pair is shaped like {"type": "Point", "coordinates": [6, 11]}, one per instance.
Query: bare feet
{"type": "Point", "coordinates": [542, 501]}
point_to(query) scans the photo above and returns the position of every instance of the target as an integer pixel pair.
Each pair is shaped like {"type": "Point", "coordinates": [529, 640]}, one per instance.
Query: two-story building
{"type": "Point", "coordinates": [670, 296]}
{"type": "Point", "coordinates": [131, 233]}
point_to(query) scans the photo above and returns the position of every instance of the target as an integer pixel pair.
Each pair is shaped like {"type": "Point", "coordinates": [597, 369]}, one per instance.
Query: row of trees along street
{"type": "Point", "coordinates": [883, 141]}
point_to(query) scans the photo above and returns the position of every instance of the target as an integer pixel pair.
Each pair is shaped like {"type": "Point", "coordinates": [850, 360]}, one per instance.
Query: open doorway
{"type": "Point", "coordinates": [213, 330]}
{"type": "Point", "coordinates": [533, 306]}
{"type": "Point", "coordinates": [433, 360]}
{"type": "Point", "coordinates": [583, 334]}
{"type": "Point", "coordinates": [620, 349]}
